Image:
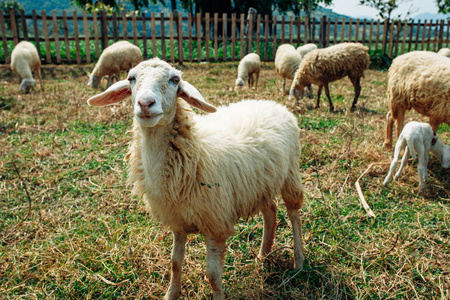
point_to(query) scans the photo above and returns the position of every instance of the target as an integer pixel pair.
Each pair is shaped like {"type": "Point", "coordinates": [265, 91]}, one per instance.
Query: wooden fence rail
{"type": "Point", "coordinates": [74, 38]}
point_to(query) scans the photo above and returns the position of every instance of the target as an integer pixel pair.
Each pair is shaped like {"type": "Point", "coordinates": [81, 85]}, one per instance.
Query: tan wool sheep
{"type": "Point", "coordinates": [201, 173]}
{"type": "Point", "coordinates": [322, 66]}
{"type": "Point", "coordinates": [24, 59]}
{"type": "Point", "coordinates": [249, 65]}
{"type": "Point", "coordinates": [305, 49]}
{"type": "Point", "coordinates": [444, 52]}
{"type": "Point", "coordinates": [120, 56]}
{"type": "Point", "coordinates": [418, 80]}
{"type": "Point", "coordinates": [287, 61]}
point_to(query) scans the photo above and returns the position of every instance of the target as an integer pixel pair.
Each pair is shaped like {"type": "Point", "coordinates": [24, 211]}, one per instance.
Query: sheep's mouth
{"type": "Point", "coordinates": [149, 116]}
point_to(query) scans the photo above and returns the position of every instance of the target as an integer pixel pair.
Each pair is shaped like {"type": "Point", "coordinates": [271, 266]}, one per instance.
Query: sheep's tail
{"type": "Point", "coordinates": [412, 151]}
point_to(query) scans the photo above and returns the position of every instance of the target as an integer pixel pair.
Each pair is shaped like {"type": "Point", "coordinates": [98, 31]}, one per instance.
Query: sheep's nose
{"type": "Point", "coordinates": [144, 104]}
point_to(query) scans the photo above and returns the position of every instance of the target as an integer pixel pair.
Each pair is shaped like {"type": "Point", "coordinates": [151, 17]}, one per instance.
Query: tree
{"type": "Point", "coordinates": [444, 6]}
{"type": "Point", "coordinates": [385, 7]}
{"type": "Point", "coordinates": [115, 5]}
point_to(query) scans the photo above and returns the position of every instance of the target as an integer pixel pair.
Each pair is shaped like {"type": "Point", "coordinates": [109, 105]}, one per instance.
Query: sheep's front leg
{"type": "Point", "coordinates": [389, 126]}
{"type": "Point", "coordinates": [179, 246]}
{"type": "Point", "coordinates": [404, 161]}
{"type": "Point", "coordinates": [215, 253]}
{"type": "Point", "coordinates": [270, 224]}
{"type": "Point", "coordinates": [256, 79]}
{"type": "Point", "coordinates": [327, 92]}
{"type": "Point", "coordinates": [318, 96]}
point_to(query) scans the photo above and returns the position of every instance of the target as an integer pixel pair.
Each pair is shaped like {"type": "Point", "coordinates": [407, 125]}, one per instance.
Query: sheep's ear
{"type": "Point", "coordinates": [291, 93]}
{"type": "Point", "coordinates": [192, 96]}
{"type": "Point", "coordinates": [115, 93]}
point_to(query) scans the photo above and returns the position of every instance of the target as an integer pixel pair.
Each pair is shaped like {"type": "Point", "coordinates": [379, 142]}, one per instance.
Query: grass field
{"type": "Point", "coordinates": [71, 230]}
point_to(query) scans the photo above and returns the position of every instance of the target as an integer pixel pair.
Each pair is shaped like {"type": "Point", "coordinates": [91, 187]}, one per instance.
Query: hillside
{"type": "Point", "coordinates": [59, 5]}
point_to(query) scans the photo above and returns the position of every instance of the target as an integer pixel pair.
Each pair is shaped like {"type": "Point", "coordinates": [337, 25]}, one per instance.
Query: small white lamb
{"type": "Point", "coordinates": [201, 173]}
{"type": "Point", "coordinates": [418, 138]}
{"type": "Point", "coordinates": [249, 65]}
{"type": "Point", "coordinates": [24, 59]}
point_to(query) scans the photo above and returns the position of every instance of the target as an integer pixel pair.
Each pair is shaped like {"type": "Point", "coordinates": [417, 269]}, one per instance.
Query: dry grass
{"type": "Point", "coordinates": [86, 237]}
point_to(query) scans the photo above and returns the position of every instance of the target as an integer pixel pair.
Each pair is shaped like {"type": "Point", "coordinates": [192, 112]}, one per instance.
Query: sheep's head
{"type": "Point", "coordinates": [239, 84]}
{"type": "Point", "coordinates": [154, 86]}
{"type": "Point", "coordinates": [26, 85]}
{"type": "Point", "coordinates": [93, 81]}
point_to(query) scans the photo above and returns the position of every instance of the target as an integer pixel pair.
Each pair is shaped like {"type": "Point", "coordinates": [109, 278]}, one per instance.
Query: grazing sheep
{"type": "Point", "coordinates": [287, 61]}
{"type": "Point", "coordinates": [24, 59]}
{"type": "Point", "coordinates": [119, 56]}
{"type": "Point", "coordinates": [418, 80]}
{"type": "Point", "coordinates": [305, 49]}
{"type": "Point", "coordinates": [201, 173]}
{"type": "Point", "coordinates": [323, 66]}
{"type": "Point", "coordinates": [249, 65]}
{"type": "Point", "coordinates": [444, 52]}
{"type": "Point", "coordinates": [418, 138]}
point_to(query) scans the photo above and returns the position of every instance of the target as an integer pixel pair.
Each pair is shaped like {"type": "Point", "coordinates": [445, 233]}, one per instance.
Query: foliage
{"type": "Point", "coordinates": [444, 6]}
{"type": "Point", "coordinates": [385, 7]}
{"type": "Point", "coordinates": [6, 5]}
{"type": "Point", "coordinates": [116, 5]}
{"type": "Point", "coordinates": [379, 60]}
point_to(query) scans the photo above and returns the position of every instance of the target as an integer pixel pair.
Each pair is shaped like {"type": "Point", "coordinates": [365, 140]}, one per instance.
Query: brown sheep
{"type": "Point", "coordinates": [418, 80]}
{"type": "Point", "coordinates": [323, 66]}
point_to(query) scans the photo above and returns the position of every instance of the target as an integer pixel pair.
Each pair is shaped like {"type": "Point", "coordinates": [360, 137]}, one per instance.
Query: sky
{"type": "Point", "coordinates": [354, 9]}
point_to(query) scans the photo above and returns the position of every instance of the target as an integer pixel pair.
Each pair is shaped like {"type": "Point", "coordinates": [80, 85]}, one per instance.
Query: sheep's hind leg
{"type": "Point", "coordinates": [357, 85]}
{"type": "Point", "coordinates": [292, 194]}
{"type": "Point", "coordinates": [215, 253]}
{"type": "Point", "coordinates": [256, 79]}
{"type": "Point", "coordinates": [270, 224]}
{"type": "Point", "coordinates": [179, 246]}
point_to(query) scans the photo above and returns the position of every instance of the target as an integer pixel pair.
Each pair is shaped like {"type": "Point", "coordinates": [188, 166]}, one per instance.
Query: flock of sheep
{"type": "Point", "coordinates": [200, 173]}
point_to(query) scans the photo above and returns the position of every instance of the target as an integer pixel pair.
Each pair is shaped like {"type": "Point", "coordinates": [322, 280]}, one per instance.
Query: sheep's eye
{"type": "Point", "coordinates": [175, 80]}
{"type": "Point", "coordinates": [131, 79]}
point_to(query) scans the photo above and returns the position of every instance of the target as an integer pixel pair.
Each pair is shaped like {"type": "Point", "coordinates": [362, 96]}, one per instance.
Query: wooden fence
{"type": "Point", "coordinates": [73, 38]}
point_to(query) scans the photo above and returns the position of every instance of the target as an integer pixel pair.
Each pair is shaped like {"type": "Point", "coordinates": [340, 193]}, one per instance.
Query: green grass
{"type": "Point", "coordinates": [85, 236]}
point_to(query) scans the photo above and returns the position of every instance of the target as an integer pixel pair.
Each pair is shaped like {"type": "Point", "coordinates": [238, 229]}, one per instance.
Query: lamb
{"type": "Point", "coordinates": [444, 52]}
{"type": "Point", "coordinates": [201, 173]}
{"type": "Point", "coordinates": [305, 49]}
{"type": "Point", "coordinates": [418, 138]}
{"type": "Point", "coordinates": [323, 66]}
{"type": "Point", "coordinates": [287, 61]}
{"type": "Point", "coordinates": [119, 56]}
{"type": "Point", "coordinates": [24, 59]}
{"type": "Point", "coordinates": [249, 65]}
{"type": "Point", "coordinates": [418, 80]}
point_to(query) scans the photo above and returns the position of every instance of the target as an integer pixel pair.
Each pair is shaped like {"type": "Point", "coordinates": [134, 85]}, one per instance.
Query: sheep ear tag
{"type": "Point", "coordinates": [192, 96]}
{"type": "Point", "coordinates": [115, 93]}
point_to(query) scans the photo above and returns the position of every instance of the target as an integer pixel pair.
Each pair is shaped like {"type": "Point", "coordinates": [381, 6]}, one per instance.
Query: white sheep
{"type": "Point", "coordinates": [287, 61]}
{"type": "Point", "coordinates": [418, 138]}
{"type": "Point", "coordinates": [249, 65]}
{"type": "Point", "coordinates": [201, 173]}
{"type": "Point", "coordinates": [323, 66]}
{"type": "Point", "coordinates": [444, 52]}
{"type": "Point", "coordinates": [418, 80]}
{"type": "Point", "coordinates": [24, 59]}
{"type": "Point", "coordinates": [120, 56]}
{"type": "Point", "coordinates": [305, 49]}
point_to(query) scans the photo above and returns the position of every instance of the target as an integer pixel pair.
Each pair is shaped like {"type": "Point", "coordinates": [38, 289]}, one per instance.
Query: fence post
{"type": "Point", "coordinates": [36, 34]}
{"type": "Point", "coordinates": [15, 31]}
{"type": "Point", "coordinates": [322, 32]}
{"type": "Point", "coordinates": [385, 33]}
{"type": "Point", "coordinates": [250, 33]}
{"type": "Point", "coordinates": [441, 34]}
{"type": "Point", "coordinates": [5, 42]}
{"type": "Point", "coordinates": [104, 30]}
{"type": "Point", "coordinates": [24, 24]}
